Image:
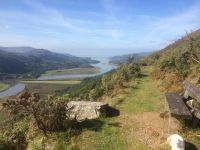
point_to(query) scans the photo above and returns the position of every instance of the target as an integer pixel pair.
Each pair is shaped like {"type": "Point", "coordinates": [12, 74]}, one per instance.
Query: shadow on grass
{"type": "Point", "coordinates": [93, 125]}
{"type": "Point", "coordinates": [115, 124]}
{"type": "Point", "coordinates": [190, 146]}
{"type": "Point", "coordinates": [110, 111]}
{"type": "Point", "coordinates": [96, 124]}
{"type": "Point", "coordinates": [143, 75]}
{"type": "Point", "coordinates": [189, 124]}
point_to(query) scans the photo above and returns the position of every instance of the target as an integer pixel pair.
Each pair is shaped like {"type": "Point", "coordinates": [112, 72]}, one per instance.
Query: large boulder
{"type": "Point", "coordinates": [87, 110]}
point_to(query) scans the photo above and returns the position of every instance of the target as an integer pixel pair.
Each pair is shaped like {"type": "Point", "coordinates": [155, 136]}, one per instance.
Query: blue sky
{"type": "Point", "coordinates": [96, 27]}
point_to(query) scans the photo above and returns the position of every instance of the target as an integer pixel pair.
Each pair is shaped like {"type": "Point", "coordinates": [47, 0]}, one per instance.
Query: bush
{"type": "Point", "coordinates": [95, 87]}
{"type": "Point", "coordinates": [15, 137]}
{"type": "Point", "coordinates": [49, 115]}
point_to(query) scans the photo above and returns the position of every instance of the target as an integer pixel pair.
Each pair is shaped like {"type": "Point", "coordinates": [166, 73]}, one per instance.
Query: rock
{"type": "Point", "coordinates": [87, 110]}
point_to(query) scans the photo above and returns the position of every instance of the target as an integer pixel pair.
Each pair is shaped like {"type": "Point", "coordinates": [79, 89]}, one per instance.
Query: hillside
{"type": "Point", "coordinates": [124, 58]}
{"type": "Point", "coordinates": [129, 88]}
{"type": "Point", "coordinates": [178, 61]}
{"type": "Point", "coordinates": [110, 83]}
{"type": "Point", "coordinates": [27, 60]}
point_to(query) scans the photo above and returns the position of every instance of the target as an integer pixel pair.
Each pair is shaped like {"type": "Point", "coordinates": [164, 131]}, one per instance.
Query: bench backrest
{"type": "Point", "coordinates": [191, 90]}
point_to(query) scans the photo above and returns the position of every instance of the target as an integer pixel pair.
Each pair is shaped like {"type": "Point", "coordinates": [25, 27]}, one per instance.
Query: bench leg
{"type": "Point", "coordinates": [195, 122]}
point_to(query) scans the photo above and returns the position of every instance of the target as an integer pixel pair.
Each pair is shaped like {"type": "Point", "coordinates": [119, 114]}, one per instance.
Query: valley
{"type": "Point", "coordinates": [99, 75]}
{"type": "Point", "coordinates": [28, 62]}
{"type": "Point", "coordinates": [135, 87]}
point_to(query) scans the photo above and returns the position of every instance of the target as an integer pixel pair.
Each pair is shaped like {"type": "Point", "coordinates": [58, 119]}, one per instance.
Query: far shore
{"type": "Point", "coordinates": [72, 71]}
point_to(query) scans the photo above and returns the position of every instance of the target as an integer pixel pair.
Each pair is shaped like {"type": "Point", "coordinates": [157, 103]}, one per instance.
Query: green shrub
{"type": "Point", "coordinates": [95, 87]}
{"type": "Point", "coordinates": [15, 137]}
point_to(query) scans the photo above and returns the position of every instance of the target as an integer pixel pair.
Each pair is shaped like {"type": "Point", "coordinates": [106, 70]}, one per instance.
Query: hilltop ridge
{"type": "Point", "coordinates": [178, 61]}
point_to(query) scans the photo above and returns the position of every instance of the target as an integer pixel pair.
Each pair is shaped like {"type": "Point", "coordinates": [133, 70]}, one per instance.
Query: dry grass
{"type": "Point", "coordinates": [45, 89]}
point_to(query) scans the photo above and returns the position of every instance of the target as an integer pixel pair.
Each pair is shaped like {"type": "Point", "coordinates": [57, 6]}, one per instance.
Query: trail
{"type": "Point", "coordinates": [139, 126]}
{"type": "Point", "coordinates": [142, 126]}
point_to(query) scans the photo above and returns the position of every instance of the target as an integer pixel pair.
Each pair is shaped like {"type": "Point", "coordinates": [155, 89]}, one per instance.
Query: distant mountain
{"type": "Point", "coordinates": [28, 60]}
{"type": "Point", "coordinates": [124, 58]}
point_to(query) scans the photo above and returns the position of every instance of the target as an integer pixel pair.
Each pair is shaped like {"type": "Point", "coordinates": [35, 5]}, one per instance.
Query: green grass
{"type": "Point", "coordinates": [109, 137]}
{"type": "Point", "coordinates": [106, 137]}
{"type": "Point", "coordinates": [72, 71]}
{"type": "Point", "coordinates": [4, 86]}
{"type": "Point", "coordinates": [38, 143]}
{"type": "Point", "coordinates": [69, 82]}
{"type": "Point", "coordinates": [144, 97]}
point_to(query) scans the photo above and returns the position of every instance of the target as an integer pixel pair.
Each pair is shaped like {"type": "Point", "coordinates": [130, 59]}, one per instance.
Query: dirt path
{"type": "Point", "coordinates": [138, 127]}
{"type": "Point", "coordinates": [142, 126]}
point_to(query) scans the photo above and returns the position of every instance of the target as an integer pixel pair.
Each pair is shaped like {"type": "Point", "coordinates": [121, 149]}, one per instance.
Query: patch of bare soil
{"type": "Point", "coordinates": [147, 128]}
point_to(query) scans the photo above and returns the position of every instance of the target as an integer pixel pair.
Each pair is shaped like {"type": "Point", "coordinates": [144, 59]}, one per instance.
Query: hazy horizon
{"type": "Point", "coordinates": [96, 28]}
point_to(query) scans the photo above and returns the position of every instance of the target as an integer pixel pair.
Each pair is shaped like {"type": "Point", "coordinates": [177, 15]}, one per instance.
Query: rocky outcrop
{"type": "Point", "coordinates": [87, 110]}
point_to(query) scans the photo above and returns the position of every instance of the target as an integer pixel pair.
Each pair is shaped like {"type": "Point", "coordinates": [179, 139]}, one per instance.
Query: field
{"type": "Point", "coordinates": [48, 87]}
{"type": "Point", "coordinates": [72, 71]}
{"type": "Point", "coordinates": [68, 82]}
{"type": "Point", "coordinates": [4, 86]}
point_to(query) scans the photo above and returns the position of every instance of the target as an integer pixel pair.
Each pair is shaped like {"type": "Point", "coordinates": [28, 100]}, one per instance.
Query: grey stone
{"type": "Point", "coordinates": [87, 110]}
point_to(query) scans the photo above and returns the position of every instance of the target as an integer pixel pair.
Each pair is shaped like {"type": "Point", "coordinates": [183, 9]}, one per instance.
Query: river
{"type": "Point", "coordinates": [15, 89]}
{"type": "Point", "coordinates": [104, 66]}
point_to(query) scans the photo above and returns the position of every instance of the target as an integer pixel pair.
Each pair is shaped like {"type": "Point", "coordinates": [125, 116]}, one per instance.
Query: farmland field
{"type": "Point", "coordinates": [69, 82]}
{"type": "Point", "coordinates": [72, 71]}
{"type": "Point", "coordinates": [4, 86]}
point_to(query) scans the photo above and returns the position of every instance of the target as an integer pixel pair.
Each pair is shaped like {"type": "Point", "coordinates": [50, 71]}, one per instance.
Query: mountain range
{"type": "Point", "coordinates": [124, 58]}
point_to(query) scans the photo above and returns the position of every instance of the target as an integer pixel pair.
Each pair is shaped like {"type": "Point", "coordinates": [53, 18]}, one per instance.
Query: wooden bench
{"type": "Point", "coordinates": [178, 107]}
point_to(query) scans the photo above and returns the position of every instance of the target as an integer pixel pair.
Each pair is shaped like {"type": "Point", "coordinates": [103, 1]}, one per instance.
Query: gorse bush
{"type": "Point", "coordinates": [179, 57]}
{"type": "Point", "coordinates": [14, 137]}
{"type": "Point", "coordinates": [49, 115]}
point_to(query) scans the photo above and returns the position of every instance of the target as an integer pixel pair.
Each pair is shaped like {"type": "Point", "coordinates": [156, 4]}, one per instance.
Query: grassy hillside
{"type": "Point", "coordinates": [178, 61]}
{"type": "Point", "coordinates": [139, 125]}
{"type": "Point", "coordinates": [108, 84]}
{"type": "Point", "coordinates": [124, 58]}
{"type": "Point", "coordinates": [26, 128]}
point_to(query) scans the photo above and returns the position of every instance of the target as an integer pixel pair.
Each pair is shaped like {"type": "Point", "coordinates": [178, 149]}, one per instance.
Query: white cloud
{"type": "Point", "coordinates": [44, 26]}
{"type": "Point", "coordinates": [54, 16]}
{"type": "Point", "coordinates": [168, 29]}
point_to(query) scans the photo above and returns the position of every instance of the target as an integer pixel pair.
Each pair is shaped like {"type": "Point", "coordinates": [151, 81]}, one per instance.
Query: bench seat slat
{"type": "Point", "coordinates": [193, 91]}
{"type": "Point", "coordinates": [177, 107]}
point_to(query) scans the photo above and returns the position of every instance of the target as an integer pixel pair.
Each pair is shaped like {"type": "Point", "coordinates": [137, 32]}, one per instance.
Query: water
{"type": "Point", "coordinates": [104, 66]}
{"type": "Point", "coordinates": [14, 90]}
